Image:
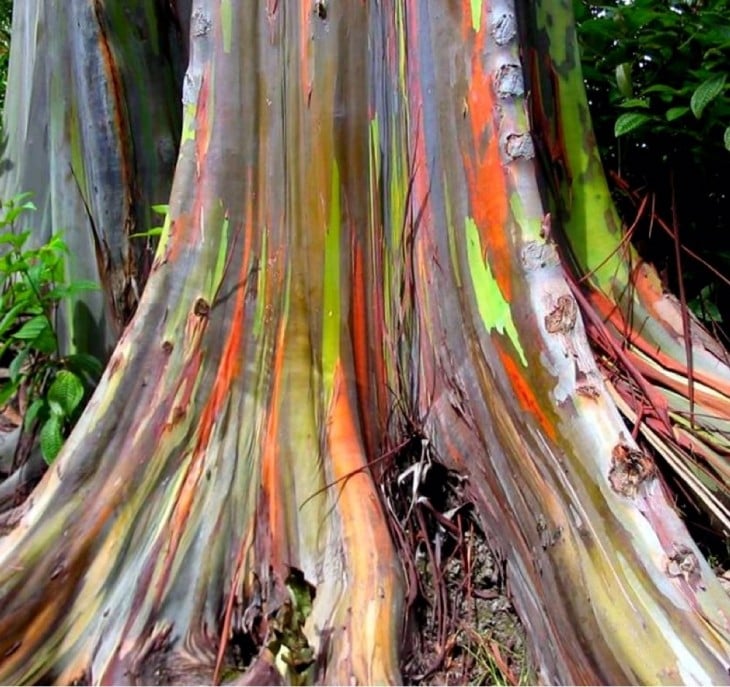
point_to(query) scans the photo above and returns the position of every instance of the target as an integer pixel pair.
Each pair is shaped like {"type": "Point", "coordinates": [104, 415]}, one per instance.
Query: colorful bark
{"type": "Point", "coordinates": [686, 373]}
{"type": "Point", "coordinates": [355, 231]}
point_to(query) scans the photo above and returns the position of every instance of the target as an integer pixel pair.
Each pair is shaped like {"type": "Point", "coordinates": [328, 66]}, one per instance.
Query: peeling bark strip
{"type": "Point", "coordinates": [356, 246]}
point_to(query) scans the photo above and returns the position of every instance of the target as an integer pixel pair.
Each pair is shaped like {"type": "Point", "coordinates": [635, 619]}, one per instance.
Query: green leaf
{"type": "Point", "coordinates": [726, 138]}
{"type": "Point", "coordinates": [16, 366]}
{"type": "Point", "coordinates": [675, 113]}
{"type": "Point", "coordinates": [661, 88]}
{"type": "Point", "coordinates": [67, 391]}
{"type": "Point", "coordinates": [636, 102]}
{"type": "Point", "coordinates": [629, 122]}
{"type": "Point", "coordinates": [154, 231]}
{"type": "Point", "coordinates": [7, 391]}
{"type": "Point", "coordinates": [84, 363]}
{"type": "Point", "coordinates": [10, 318]}
{"type": "Point", "coordinates": [15, 240]}
{"type": "Point", "coordinates": [160, 209]}
{"type": "Point", "coordinates": [37, 409]}
{"type": "Point", "coordinates": [51, 438]}
{"type": "Point", "coordinates": [75, 287]}
{"type": "Point", "coordinates": [46, 343]}
{"type": "Point", "coordinates": [706, 92]}
{"type": "Point", "coordinates": [623, 79]}
{"type": "Point", "coordinates": [33, 328]}
{"type": "Point", "coordinates": [12, 213]}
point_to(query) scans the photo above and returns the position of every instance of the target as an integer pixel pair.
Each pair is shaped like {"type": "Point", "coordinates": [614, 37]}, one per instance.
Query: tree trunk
{"type": "Point", "coordinates": [357, 256]}
{"type": "Point", "coordinates": [92, 128]}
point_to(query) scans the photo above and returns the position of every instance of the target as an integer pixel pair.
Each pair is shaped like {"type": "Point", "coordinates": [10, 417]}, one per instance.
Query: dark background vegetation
{"type": "Point", "coordinates": [657, 74]}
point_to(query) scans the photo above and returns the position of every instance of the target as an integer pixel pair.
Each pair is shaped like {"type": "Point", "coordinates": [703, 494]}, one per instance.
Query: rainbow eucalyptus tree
{"type": "Point", "coordinates": [376, 206]}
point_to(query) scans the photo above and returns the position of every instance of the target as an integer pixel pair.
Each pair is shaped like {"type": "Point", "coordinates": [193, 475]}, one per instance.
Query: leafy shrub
{"type": "Point", "coordinates": [31, 288]}
{"type": "Point", "coordinates": [657, 78]}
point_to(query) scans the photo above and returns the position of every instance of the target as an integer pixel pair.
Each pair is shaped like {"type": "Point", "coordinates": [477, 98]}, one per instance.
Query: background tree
{"type": "Point", "coordinates": [359, 266]}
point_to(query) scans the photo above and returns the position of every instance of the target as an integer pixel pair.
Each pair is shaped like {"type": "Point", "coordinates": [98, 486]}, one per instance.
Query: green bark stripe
{"type": "Point", "coordinates": [476, 14]}
{"type": "Point", "coordinates": [258, 320]}
{"type": "Point", "coordinates": [226, 24]}
{"type": "Point", "coordinates": [331, 296]}
{"type": "Point", "coordinates": [493, 308]}
{"type": "Point", "coordinates": [189, 123]}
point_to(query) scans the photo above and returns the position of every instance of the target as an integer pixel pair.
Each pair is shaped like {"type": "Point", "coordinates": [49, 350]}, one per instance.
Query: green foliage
{"type": "Point", "coordinates": [656, 74]}
{"type": "Point", "coordinates": [31, 288]}
{"type": "Point", "coordinates": [153, 231]}
{"type": "Point", "coordinates": [6, 16]}
{"type": "Point", "coordinates": [666, 58]}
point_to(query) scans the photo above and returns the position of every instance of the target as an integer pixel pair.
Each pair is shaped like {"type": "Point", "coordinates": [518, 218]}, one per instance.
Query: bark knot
{"type": "Point", "coordinates": [509, 82]}
{"type": "Point", "coordinates": [520, 145]}
{"type": "Point", "coordinates": [561, 319]}
{"type": "Point", "coordinates": [684, 563]}
{"type": "Point", "coordinates": [629, 469]}
{"type": "Point", "coordinates": [201, 307]}
{"type": "Point", "coordinates": [504, 28]}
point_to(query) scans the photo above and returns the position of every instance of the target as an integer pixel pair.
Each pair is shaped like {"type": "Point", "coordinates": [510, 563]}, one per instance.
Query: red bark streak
{"type": "Point", "coordinates": [524, 393]}
{"type": "Point", "coordinates": [230, 363]}
{"type": "Point", "coordinates": [202, 123]}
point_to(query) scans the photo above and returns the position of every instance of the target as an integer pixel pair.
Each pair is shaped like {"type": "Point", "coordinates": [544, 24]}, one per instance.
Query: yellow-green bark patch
{"type": "Point", "coordinates": [493, 308]}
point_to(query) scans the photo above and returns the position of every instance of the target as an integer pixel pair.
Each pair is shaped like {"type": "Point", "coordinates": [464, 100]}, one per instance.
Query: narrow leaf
{"type": "Point", "coordinates": [629, 122]}
{"type": "Point", "coordinates": [623, 79]}
{"type": "Point", "coordinates": [675, 113]}
{"type": "Point", "coordinates": [16, 366]}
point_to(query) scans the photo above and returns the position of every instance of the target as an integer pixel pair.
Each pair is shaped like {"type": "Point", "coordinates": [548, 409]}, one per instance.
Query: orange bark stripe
{"type": "Point", "coordinates": [483, 165]}
{"type": "Point", "coordinates": [523, 391]}
{"type": "Point", "coordinates": [270, 469]}
{"type": "Point", "coordinates": [368, 546]}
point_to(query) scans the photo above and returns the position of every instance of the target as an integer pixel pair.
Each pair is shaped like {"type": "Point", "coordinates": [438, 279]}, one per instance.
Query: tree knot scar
{"type": "Point", "coordinates": [561, 319]}
{"type": "Point", "coordinates": [536, 255]}
{"type": "Point", "coordinates": [684, 563]}
{"type": "Point", "coordinates": [629, 470]}
{"type": "Point", "coordinates": [320, 8]}
{"type": "Point", "coordinates": [167, 347]}
{"type": "Point", "coordinates": [504, 28]}
{"type": "Point", "coordinates": [201, 308]}
{"type": "Point", "coordinates": [200, 23]}
{"type": "Point", "coordinates": [509, 82]}
{"type": "Point", "coordinates": [520, 146]}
